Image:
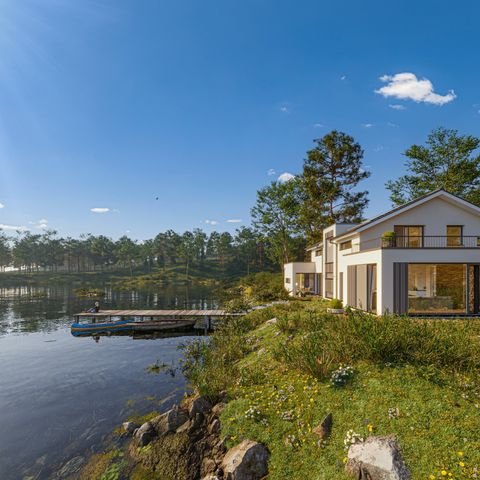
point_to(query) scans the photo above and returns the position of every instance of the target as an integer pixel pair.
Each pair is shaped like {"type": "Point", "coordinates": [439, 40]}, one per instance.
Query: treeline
{"type": "Point", "coordinates": [243, 252]}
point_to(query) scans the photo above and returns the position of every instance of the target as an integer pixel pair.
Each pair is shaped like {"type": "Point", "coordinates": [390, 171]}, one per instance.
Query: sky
{"type": "Point", "coordinates": [137, 116]}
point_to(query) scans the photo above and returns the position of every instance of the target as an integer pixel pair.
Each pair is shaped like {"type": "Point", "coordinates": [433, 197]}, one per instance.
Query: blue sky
{"type": "Point", "coordinates": [113, 103]}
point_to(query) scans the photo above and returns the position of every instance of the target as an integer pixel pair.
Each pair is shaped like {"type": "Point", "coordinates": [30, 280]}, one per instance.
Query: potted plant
{"type": "Point", "coordinates": [388, 239]}
{"type": "Point", "coordinates": [336, 306]}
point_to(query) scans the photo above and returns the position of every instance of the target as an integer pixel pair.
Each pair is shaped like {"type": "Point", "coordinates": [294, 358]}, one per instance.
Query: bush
{"type": "Point", "coordinates": [336, 303]}
{"type": "Point", "coordinates": [333, 340]}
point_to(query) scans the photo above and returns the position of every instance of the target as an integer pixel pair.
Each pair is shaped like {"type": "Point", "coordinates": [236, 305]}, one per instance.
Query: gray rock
{"type": "Point", "coordinates": [210, 476]}
{"type": "Point", "coordinates": [169, 421]}
{"type": "Point", "coordinates": [246, 461]}
{"type": "Point", "coordinates": [71, 467]}
{"type": "Point", "coordinates": [208, 466]}
{"type": "Point", "coordinates": [130, 427]}
{"type": "Point", "coordinates": [272, 321]}
{"type": "Point", "coordinates": [185, 427]}
{"type": "Point", "coordinates": [215, 426]}
{"type": "Point", "coordinates": [145, 434]}
{"type": "Point", "coordinates": [199, 405]}
{"type": "Point", "coordinates": [218, 409]}
{"type": "Point", "coordinates": [324, 430]}
{"type": "Point", "coordinates": [378, 458]}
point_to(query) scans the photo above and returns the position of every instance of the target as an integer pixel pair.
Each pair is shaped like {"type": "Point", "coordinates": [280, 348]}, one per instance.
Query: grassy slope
{"type": "Point", "coordinates": [437, 427]}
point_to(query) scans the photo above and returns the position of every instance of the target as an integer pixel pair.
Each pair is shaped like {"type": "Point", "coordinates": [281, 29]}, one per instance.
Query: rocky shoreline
{"type": "Point", "coordinates": [185, 443]}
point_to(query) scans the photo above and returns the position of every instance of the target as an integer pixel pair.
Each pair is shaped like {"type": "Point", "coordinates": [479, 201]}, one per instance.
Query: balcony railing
{"type": "Point", "coordinates": [431, 241]}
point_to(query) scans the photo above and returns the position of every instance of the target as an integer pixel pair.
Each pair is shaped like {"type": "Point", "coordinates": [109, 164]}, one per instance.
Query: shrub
{"type": "Point", "coordinates": [336, 303]}
{"type": "Point", "coordinates": [390, 339]}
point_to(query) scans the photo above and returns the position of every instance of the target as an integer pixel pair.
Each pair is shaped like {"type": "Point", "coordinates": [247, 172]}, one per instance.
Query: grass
{"type": "Point", "coordinates": [415, 379]}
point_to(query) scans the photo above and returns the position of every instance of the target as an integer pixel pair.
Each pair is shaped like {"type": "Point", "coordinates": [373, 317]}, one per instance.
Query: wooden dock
{"type": "Point", "coordinates": [157, 313]}
{"type": "Point", "coordinates": [147, 320]}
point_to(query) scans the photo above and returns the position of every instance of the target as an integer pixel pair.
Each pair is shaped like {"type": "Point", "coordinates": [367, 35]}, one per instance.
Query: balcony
{"type": "Point", "coordinates": [431, 241]}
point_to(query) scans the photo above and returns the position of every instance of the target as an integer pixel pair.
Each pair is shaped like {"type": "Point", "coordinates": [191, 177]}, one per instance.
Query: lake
{"type": "Point", "coordinates": [61, 396]}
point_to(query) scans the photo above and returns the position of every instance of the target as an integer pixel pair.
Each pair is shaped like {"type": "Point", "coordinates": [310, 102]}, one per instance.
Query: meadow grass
{"type": "Point", "coordinates": [415, 379]}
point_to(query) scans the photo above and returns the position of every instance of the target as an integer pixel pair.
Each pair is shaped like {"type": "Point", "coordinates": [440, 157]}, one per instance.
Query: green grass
{"type": "Point", "coordinates": [277, 378]}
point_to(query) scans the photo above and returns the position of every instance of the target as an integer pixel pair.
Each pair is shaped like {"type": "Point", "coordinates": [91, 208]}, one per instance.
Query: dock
{"type": "Point", "coordinates": [148, 320]}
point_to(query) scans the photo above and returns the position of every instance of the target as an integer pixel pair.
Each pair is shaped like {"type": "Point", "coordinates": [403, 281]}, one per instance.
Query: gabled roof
{"type": "Point", "coordinates": [408, 206]}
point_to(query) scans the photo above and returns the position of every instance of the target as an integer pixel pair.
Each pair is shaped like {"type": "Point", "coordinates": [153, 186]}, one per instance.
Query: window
{"type": "Point", "coordinates": [437, 288]}
{"type": "Point", "coordinates": [454, 235]}
{"type": "Point", "coordinates": [409, 236]}
{"type": "Point", "coordinates": [288, 280]}
{"type": "Point", "coordinates": [318, 252]}
{"type": "Point", "coordinates": [346, 245]}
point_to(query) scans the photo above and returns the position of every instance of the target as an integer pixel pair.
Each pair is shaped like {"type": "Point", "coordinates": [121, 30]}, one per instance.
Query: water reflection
{"type": "Point", "coordinates": [61, 396]}
{"type": "Point", "coordinates": [33, 309]}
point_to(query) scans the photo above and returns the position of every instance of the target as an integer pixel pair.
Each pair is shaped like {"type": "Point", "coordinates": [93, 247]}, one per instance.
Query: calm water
{"type": "Point", "coordinates": [61, 396]}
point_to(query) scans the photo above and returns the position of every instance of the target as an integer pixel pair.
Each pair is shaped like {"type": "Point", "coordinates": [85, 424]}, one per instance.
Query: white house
{"type": "Point", "coordinates": [422, 258]}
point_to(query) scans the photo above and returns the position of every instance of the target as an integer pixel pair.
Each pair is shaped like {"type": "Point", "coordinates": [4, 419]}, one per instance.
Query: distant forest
{"type": "Point", "coordinates": [244, 252]}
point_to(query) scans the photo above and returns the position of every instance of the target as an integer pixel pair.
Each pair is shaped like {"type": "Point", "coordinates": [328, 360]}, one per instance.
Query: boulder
{"type": "Point", "coordinates": [199, 405]}
{"type": "Point", "coordinates": [169, 421]}
{"type": "Point", "coordinates": [145, 434]}
{"type": "Point", "coordinates": [377, 458]}
{"type": "Point", "coordinates": [324, 430]}
{"type": "Point", "coordinates": [210, 476]}
{"type": "Point", "coordinates": [208, 466]}
{"type": "Point", "coordinates": [130, 427]}
{"type": "Point", "coordinates": [215, 426]}
{"type": "Point", "coordinates": [218, 409]}
{"type": "Point", "coordinates": [246, 461]}
{"type": "Point", "coordinates": [272, 321]}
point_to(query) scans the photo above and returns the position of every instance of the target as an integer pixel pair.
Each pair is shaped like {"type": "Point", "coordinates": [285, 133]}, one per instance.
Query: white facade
{"type": "Point", "coordinates": [430, 264]}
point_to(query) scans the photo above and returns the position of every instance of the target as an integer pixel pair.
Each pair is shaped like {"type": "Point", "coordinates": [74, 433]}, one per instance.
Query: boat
{"type": "Point", "coordinates": [85, 325]}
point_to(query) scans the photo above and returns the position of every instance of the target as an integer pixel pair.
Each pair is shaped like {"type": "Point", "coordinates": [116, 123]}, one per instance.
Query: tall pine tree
{"type": "Point", "coordinates": [331, 173]}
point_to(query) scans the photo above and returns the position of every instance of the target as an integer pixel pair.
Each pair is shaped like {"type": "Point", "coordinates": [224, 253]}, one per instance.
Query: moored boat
{"type": "Point", "coordinates": [92, 325]}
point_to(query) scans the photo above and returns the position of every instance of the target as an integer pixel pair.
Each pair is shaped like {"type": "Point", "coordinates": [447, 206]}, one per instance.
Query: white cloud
{"type": "Point", "coordinates": [271, 172]}
{"type": "Point", "coordinates": [367, 125]}
{"type": "Point", "coordinates": [211, 222]}
{"type": "Point", "coordinates": [390, 124]}
{"type": "Point", "coordinates": [378, 148]}
{"type": "Point", "coordinates": [13, 228]}
{"type": "Point", "coordinates": [284, 109]}
{"type": "Point", "coordinates": [406, 86]}
{"type": "Point", "coordinates": [43, 220]}
{"type": "Point", "coordinates": [285, 177]}
{"type": "Point", "coordinates": [343, 77]}
{"type": "Point", "coordinates": [99, 210]}
{"type": "Point", "coordinates": [396, 106]}
{"type": "Point", "coordinates": [234, 220]}
{"type": "Point", "coordinates": [42, 226]}
{"type": "Point", "coordinates": [318, 125]}
{"type": "Point", "coordinates": [2, 205]}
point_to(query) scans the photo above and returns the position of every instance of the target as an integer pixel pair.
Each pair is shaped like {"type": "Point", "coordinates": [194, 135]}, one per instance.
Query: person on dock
{"type": "Point", "coordinates": [95, 308]}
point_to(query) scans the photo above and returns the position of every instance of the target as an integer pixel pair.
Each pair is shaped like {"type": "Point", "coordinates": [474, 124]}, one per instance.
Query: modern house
{"type": "Point", "coordinates": [422, 258]}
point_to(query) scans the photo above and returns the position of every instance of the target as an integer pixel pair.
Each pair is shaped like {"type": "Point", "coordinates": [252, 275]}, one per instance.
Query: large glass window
{"type": "Point", "coordinates": [305, 282]}
{"type": "Point", "coordinates": [409, 236]}
{"type": "Point", "coordinates": [436, 288]}
{"type": "Point", "coordinates": [454, 235]}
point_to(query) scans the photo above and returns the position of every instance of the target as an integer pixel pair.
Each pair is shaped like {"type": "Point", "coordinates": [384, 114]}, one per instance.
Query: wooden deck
{"type": "Point", "coordinates": [157, 313]}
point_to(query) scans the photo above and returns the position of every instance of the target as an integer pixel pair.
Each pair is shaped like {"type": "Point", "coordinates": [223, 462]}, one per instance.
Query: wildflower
{"type": "Point", "coordinates": [444, 473]}
{"type": "Point", "coordinates": [370, 427]}
{"type": "Point", "coordinates": [461, 464]}
{"type": "Point", "coordinates": [460, 454]}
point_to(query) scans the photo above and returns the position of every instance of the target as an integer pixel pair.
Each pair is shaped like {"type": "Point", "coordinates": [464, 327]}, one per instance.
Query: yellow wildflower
{"type": "Point", "coordinates": [444, 473]}
{"type": "Point", "coordinates": [461, 464]}
{"type": "Point", "coordinates": [460, 454]}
